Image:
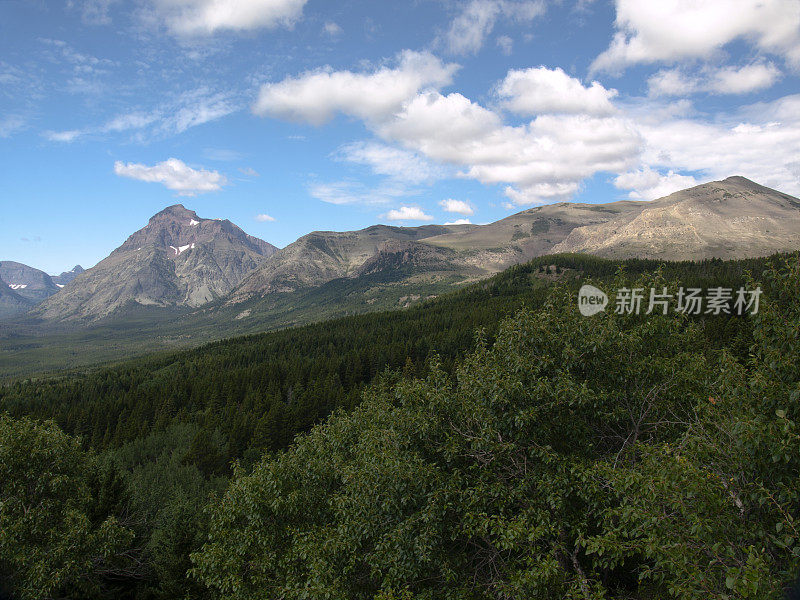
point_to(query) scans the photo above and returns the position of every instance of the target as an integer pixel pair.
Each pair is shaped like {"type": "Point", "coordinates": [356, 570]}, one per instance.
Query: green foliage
{"type": "Point", "coordinates": [573, 458]}
{"type": "Point", "coordinates": [56, 540]}
{"type": "Point", "coordinates": [564, 456]}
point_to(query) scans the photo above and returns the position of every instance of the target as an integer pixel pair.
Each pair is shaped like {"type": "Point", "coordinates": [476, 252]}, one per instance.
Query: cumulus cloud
{"type": "Point", "coordinates": [175, 175]}
{"type": "Point", "coordinates": [477, 19]}
{"type": "Point", "coordinates": [721, 80]}
{"type": "Point", "coordinates": [264, 218]}
{"type": "Point", "coordinates": [407, 213]}
{"type": "Point", "coordinates": [733, 80]}
{"type": "Point", "coordinates": [575, 132]}
{"type": "Point", "coordinates": [670, 30]}
{"type": "Point", "coordinates": [459, 222]}
{"type": "Point", "coordinates": [395, 163]}
{"type": "Point", "coordinates": [315, 97]}
{"type": "Point", "coordinates": [760, 141]}
{"type": "Point", "coordinates": [647, 184]}
{"type": "Point", "coordinates": [542, 90]}
{"type": "Point", "coordinates": [204, 17]}
{"type": "Point", "coordinates": [457, 206]}
{"type": "Point", "coordinates": [543, 160]}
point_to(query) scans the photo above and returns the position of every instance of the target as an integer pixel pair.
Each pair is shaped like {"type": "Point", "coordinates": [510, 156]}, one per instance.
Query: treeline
{"type": "Point", "coordinates": [158, 436]}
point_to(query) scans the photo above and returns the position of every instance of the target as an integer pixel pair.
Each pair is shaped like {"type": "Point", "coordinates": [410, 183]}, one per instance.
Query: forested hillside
{"type": "Point", "coordinates": [491, 443]}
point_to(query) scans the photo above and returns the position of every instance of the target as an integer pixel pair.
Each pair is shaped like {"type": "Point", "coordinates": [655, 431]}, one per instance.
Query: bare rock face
{"type": "Point", "coordinates": [733, 218]}
{"type": "Point", "coordinates": [67, 276]}
{"type": "Point", "coordinates": [30, 283]}
{"type": "Point", "coordinates": [322, 256]}
{"type": "Point", "coordinates": [11, 303]}
{"type": "Point", "coordinates": [178, 259]}
{"type": "Point", "coordinates": [527, 234]}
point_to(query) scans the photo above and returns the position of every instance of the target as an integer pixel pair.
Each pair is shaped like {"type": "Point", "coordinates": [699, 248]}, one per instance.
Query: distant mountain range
{"type": "Point", "coordinates": [67, 276]}
{"type": "Point", "coordinates": [182, 260]}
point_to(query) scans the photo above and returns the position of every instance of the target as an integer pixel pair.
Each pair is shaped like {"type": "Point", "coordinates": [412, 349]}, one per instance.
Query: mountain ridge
{"type": "Point", "coordinates": [182, 260]}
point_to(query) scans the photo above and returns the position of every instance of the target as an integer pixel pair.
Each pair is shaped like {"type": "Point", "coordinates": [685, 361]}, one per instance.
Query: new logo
{"type": "Point", "coordinates": [591, 300]}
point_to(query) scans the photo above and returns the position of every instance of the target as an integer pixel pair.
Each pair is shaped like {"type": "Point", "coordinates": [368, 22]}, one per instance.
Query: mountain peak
{"type": "Point", "coordinates": [176, 211]}
{"type": "Point", "coordinates": [739, 180]}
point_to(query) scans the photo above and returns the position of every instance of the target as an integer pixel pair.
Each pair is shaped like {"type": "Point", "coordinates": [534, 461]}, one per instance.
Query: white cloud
{"type": "Point", "coordinates": [395, 163]}
{"type": "Point", "coordinates": [669, 30]}
{"type": "Point", "coordinates": [264, 218]}
{"type": "Point", "coordinates": [470, 28]}
{"type": "Point", "coordinates": [457, 206]}
{"type": "Point", "coordinates": [542, 90]}
{"type": "Point", "coordinates": [134, 120]}
{"type": "Point", "coordinates": [542, 193]}
{"type": "Point", "coordinates": [187, 110]}
{"type": "Point", "coordinates": [353, 192]}
{"type": "Point", "coordinates": [544, 160]}
{"type": "Point", "coordinates": [316, 96]}
{"type": "Point", "coordinates": [671, 82]}
{"type": "Point", "coordinates": [459, 222]}
{"type": "Point", "coordinates": [249, 171]}
{"type": "Point", "coordinates": [722, 80]}
{"type": "Point", "coordinates": [63, 136]}
{"type": "Point", "coordinates": [407, 213]}
{"type": "Point", "coordinates": [175, 175]}
{"type": "Point", "coordinates": [506, 44]}
{"type": "Point", "coordinates": [760, 142]}
{"type": "Point", "coordinates": [332, 29]}
{"type": "Point", "coordinates": [647, 184]}
{"type": "Point", "coordinates": [196, 107]}
{"type": "Point", "coordinates": [732, 80]}
{"type": "Point", "coordinates": [204, 17]}
{"type": "Point", "coordinates": [93, 12]}
{"type": "Point", "coordinates": [10, 124]}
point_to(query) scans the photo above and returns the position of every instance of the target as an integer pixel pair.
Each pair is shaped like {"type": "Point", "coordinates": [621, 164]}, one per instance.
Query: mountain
{"type": "Point", "coordinates": [67, 276]}
{"type": "Point", "coordinates": [182, 260]}
{"type": "Point", "coordinates": [733, 218]}
{"type": "Point", "coordinates": [178, 259]}
{"type": "Point", "coordinates": [527, 234]}
{"type": "Point", "coordinates": [11, 303]}
{"type": "Point", "coordinates": [322, 256]}
{"type": "Point", "coordinates": [30, 283]}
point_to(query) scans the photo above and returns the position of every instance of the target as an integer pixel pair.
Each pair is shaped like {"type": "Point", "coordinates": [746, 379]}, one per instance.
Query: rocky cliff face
{"type": "Point", "coordinates": [178, 259]}
{"type": "Point", "coordinates": [322, 256]}
{"type": "Point", "coordinates": [12, 303]}
{"type": "Point", "coordinates": [67, 276]}
{"type": "Point", "coordinates": [30, 283]}
{"type": "Point", "coordinates": [733, 218]}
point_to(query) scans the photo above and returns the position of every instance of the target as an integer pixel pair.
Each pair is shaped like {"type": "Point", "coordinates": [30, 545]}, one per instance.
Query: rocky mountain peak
{"type": "Point", "coordinates": [176, 212]}
{"type": "Point", "coordinates": [177, 259]}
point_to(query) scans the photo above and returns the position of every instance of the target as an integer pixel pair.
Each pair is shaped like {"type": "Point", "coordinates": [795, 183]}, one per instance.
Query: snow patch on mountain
{"type": "Point", "coordinates": [193, 222]}
{"type": "Point", "coordinates": [17, 286]}
{"type": "Point", "coordinates": [180, 249]}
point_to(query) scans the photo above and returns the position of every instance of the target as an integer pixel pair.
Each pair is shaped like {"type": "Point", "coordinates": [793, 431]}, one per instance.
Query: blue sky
{"type": "Point", "coordinates": [288, 116]}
